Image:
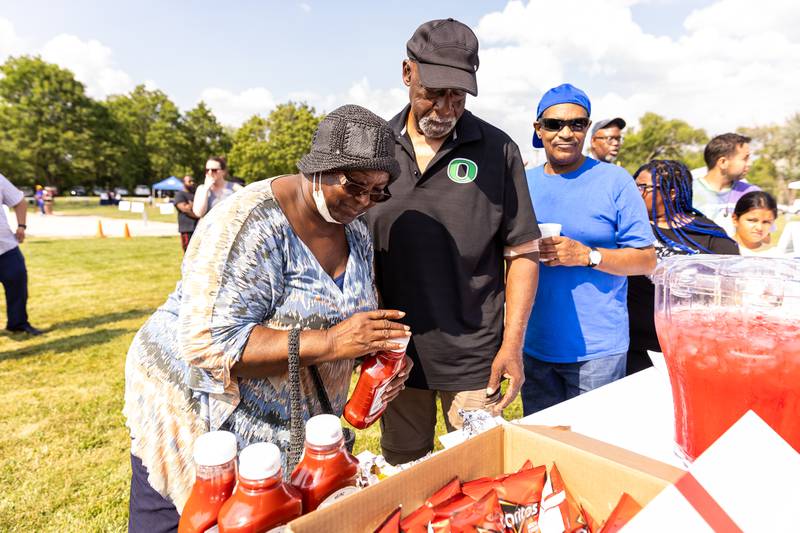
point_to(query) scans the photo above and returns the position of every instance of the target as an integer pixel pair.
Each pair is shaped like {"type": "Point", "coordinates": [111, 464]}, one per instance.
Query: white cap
{"type": "Point", "coordinates": [259, 461]}
{"type": "Point", "coordinates": [214, 448]}
{"type": "Point", "coordinates": [403, 341]}
{"type": "Point", "coordinates": [323, 430]}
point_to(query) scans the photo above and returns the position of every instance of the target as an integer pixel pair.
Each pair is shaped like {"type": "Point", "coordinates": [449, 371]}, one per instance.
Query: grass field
{"type": "Point", "coordinates": [64, 463]}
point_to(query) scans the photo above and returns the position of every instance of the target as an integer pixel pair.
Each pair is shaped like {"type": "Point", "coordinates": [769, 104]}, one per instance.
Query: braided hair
{"type": "Point", "coordinates": [674, 181]}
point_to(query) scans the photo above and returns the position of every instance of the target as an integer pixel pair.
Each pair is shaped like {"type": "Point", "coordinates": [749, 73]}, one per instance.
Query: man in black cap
{"type": "Point", "coordinates": [456, 248]}
{"type": "Point", "coordinates": [606, 139]}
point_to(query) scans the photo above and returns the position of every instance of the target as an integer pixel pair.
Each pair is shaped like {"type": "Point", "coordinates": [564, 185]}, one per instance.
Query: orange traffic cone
{"type": "Point", "coordinates": [100, 234]}
{"type": "Point", "coordinates": [127, 232]}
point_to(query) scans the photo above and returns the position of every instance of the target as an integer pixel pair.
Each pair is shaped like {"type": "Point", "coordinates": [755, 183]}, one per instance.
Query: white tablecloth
{"type": "Point", "coordinates": [633, 413]}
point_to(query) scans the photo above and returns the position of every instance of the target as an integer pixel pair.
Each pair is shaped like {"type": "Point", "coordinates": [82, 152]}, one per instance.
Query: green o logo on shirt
{"type": "Point", "coordinates": [461, 170]}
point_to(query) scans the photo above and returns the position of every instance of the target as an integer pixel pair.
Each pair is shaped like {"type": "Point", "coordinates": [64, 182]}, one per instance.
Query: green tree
{"type": "Point", "coordinates": [661, 138]}
{"type": "Point", "coordinates": [45, 122]}
{"type": "Point", "coordinates": [154, 135]}
{"type": "Point", "coordinates": [205, 137]}
{"type": "Point", "coordinates": [778, 162]}
{"type": "Point", "coordinates": [249, 154]}
{"type": "Point", "coordinates": [272, 146]}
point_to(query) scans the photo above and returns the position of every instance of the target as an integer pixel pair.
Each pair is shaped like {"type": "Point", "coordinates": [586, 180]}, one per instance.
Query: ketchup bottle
{"type": "Point", "coordinates": [261, 500]}
{"type": "Point", "coordinates": [215, 466]}
{"type": "Point", "coordinates": [327, 471]}
{"type": "Point", "coordinates": [365, 406]}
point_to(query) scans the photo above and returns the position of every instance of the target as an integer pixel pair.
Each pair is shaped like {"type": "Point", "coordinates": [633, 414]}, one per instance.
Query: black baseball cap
{"type": "Point", "coordinates": [447, 54]}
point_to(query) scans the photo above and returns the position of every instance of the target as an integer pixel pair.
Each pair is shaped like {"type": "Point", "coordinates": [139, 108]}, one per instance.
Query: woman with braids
{"type": "Point", "coordinates": [680, 229]}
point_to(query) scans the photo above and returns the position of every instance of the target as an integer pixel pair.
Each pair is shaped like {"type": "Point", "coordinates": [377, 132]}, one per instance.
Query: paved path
{"type": "Point", "coordinates": [86, 226]}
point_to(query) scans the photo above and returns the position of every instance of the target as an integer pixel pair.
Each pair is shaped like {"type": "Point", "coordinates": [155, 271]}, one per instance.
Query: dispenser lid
{"type": "Point", "coordinates": [742, 278]}
{"type": "Point", "coordinates": [214, 448]}
{"type": "Point", "coordinates": [261, 460]}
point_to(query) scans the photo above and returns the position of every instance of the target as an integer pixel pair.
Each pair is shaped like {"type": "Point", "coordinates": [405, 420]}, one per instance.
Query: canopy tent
{"type": "Point", "coordinates": [170, 184]}
{"type": "Point", "coordinates": [794, 185]}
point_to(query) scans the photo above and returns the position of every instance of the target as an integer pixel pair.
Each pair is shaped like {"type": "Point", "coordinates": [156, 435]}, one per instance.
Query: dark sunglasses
{"type": "Point", "coordinates": [213, 169]}
{"type": "Point", "coordinates": [355, 189]}
{"type": "Point", "coordinates": [557, 124]}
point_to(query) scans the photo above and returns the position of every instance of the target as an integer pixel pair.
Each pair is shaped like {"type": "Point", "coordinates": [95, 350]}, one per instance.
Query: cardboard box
{"type": "Point", "coordinates": [595, 472]}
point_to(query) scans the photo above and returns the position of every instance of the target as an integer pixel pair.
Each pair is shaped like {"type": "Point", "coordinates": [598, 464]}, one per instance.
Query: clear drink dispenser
{"type": "Point", "coordinates": [729, 328]}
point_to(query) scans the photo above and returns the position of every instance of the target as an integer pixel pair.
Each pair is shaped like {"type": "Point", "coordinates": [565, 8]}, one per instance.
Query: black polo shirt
{"type": "Point", "coordinates": [439, 249]}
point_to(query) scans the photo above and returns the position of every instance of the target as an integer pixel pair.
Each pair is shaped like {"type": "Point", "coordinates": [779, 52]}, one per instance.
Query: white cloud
{"type": "Point", "coordinates": [90, 61]}
{"type": "Point", "coordinates": [234, 108]}
{"type": "Point", "coordinates": [737, 63]}
{"type": "Point", "coordinates": [10, 43]}
{"type": "Point", "coordinates": [305, 7]}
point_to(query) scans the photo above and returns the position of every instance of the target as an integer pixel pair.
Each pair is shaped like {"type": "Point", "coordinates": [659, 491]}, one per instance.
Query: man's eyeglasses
{"type": "Point", "coordinates": [355, 189]}
{"type": "Point", "coordinates": [213, 169]}
{"type": "Point", "coordinates": [557, 124]}
{"type": "Point", "coordinates": [644, 187]}
{"type": "Point", "coordinates": [611, 138]}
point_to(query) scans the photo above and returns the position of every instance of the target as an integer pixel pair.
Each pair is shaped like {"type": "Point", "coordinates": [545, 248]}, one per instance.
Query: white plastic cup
{"type": "Point", "coordinates": [550, 230]}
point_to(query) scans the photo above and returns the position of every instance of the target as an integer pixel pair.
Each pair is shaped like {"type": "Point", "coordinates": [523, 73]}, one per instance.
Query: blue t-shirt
{"type": "Point", "coordinates": [580, 313]}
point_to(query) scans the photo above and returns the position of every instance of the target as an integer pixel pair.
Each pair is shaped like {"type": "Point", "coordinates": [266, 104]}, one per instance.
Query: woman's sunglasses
{"type": "Point", "coordinates": [355, 189]}
{"type": "Point", "coordinates": [557, 124]}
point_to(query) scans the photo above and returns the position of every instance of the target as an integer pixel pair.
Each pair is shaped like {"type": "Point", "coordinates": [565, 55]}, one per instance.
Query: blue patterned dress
{"type": "Point", "coordinates": [245, 266]}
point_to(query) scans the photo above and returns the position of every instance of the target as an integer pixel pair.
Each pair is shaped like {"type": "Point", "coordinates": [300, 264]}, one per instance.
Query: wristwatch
{"type": "Point", "coordinates": [594, 257]}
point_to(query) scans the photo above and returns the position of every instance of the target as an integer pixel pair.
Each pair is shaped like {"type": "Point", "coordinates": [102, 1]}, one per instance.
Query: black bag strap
{"type": "Point", "coordinates": [296, 425]}
{"type": "Point", "coordinates": [322, 394]}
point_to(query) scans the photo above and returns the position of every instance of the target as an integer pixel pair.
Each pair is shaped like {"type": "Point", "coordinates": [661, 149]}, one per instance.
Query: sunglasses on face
{"type": "Point", "coordinates": [213, 169]}
{"type": "Point", "coordinates": [355, 189]}
{"type": "Point", "coordinates": [557, 124]}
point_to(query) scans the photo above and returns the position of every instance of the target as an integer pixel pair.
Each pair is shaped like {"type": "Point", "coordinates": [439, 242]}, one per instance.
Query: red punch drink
{"type": "Point", "coordinates": [215, 470]}
{"type": "Point", "coordinates": [730, 331]}
{"type": "Point", "coordinates": [327, 471]}
{"type": "Point", "coordinates": [722, 364]}
{"type": "Point", "coordinates": [365, 406]}
{"type": "Point", "coordinates": [261, 500]}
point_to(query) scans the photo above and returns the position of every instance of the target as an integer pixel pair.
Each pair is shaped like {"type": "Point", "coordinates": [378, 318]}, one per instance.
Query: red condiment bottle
{"type": "Point", "coordinates": [365, 406]}
{"type": "Point", "coordinates": [261, 500]}
{"type": "Point", "coordinates": [327, 471]}
{"type": "Point", "coordinates": [215, 467]}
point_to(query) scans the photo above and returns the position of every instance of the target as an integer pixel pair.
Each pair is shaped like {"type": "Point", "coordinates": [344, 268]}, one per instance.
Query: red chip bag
{"type": "Point", "coordinates": [419, 519]}
{"type": "Point", "coordinates": [520, 495]}
{"type": "Point", "coordinates": [450, 507]}
{"type": "Point", "coordinates": [570, 511]}
{"type": "Point", "coordinates": [625, 510]}
{"type": "Point", "coordinates": [483, 516]}
{"type": "Point", "coordinates": [391, 524]}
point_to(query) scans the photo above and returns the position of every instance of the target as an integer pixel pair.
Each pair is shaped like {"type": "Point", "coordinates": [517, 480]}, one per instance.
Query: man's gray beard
{"type": "Point", "coordinates": [609, 158]}
{"type": "Point", "coordinates": [436, 129]}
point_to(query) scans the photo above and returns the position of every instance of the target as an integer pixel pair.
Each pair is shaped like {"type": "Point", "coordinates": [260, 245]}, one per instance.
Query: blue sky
{"type": "Point", "coordinates": [719, 64]}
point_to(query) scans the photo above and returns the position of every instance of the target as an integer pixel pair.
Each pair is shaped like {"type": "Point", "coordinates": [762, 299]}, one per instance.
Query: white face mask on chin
{"type": "Point", "coordinates": [319, 199]}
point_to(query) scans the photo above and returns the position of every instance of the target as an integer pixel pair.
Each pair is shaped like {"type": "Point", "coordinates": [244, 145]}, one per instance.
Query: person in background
{"type": "Point", "coordinates": [753, 219]}
{"type": "Point", "coordinates": [727, 158]}
{"type": "Point", "coordinates": [456, 248]}
{"type": "Point", "coordinates": [577, 338]}
{"type": "Point", "coordinates": [215, 188]}
{"type": "Point", "coordinates": [187, 220]}
{"type": "Point", "coordinates": [13, 274]}
{"type": "Point", "coordinates": [679, 229]}
{"type": "Point", "coordinates": [606, 139]}
{"type": "Point", "coordinates": [39, 197]}
{"type": "Point", "coordinates": [48, 197]}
